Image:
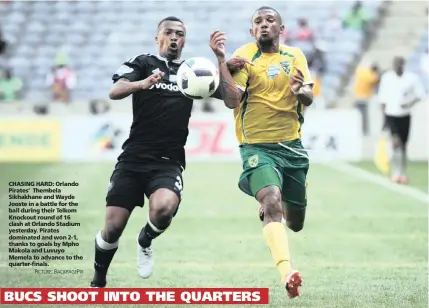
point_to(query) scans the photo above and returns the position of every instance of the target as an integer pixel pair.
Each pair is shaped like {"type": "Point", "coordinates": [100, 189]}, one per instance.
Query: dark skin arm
{"type": "Point", "coordinates": [228, 89]}
{"type": "Point", "coordinates": [123, 87]}
{"type": "Point", "coordinates": [234, 65]}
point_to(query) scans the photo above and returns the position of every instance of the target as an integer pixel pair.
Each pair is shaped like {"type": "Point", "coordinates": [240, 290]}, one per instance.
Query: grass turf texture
{"type": "Point", "coordinates": [362, 245]}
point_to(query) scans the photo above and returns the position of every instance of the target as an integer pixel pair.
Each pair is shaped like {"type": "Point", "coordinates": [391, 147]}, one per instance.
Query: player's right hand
{"type": "Point", "coordinates": [217, 44]}
{"type": "Point", "coordinates": [151, 80]}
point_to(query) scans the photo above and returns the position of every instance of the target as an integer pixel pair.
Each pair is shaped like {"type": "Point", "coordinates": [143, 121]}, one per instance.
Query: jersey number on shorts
{"type": "Point", "coordinates": [179, 185]}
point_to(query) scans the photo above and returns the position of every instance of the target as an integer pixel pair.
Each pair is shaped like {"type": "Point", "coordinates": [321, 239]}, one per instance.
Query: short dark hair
{"type": "Point", "coordinates": [169, 18]}
{"type": "Point", "coordinates": [262, 8]}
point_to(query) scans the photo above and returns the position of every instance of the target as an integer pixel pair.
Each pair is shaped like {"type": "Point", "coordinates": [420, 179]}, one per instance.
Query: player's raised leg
{"type": "Point", "coordinates": [123, 195]}
{"type": "Point", "coordinates": [163, 204]}
{"type": "Point", "coordinates": [265, 185]}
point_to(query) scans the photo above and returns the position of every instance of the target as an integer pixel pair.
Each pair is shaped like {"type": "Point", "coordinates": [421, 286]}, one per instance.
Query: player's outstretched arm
{"type": "Point", "coordinates": [123, 87]}
{"type": "Point", "coordinates": [230, 94]}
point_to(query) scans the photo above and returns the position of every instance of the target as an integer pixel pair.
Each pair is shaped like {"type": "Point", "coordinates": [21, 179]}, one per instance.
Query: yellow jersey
{"type": "Point", "coordinates": [365, 81]}
{"type": "Point", "coordinates": [269, 111]}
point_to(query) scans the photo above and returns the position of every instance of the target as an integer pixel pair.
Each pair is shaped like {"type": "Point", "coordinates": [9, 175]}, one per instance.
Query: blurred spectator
{"type": "Point", "coordinates": [10, 86]}
{"type": "Point", "coordinates": [316, 59]}
{"type": "Point", "coordinates": [303, 33]}
{"type": "Point", "coordinates": [98, 106]}
{"type": "Point", "coordinates": [303, 37]}
{"type": "Point", "coordinates": [3, 45]}
{"type": "Point", "coordinates": [356, 18]}
{"type": "Point", "coordinates": [317, 65]}
{"type": "Point", "coordinates": [330, 28]}
{"type": "Point", "coordinates": [61, 79]}
{"type": "Point", "coordinates": [366, 81]}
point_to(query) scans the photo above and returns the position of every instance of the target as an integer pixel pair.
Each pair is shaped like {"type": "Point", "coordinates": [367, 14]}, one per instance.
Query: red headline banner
{"type": "Point", "coordinates": [37, 296]}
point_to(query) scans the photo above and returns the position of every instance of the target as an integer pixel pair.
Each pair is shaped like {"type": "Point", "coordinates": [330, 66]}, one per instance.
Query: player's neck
{"type": "Point", "coordinates": [273, 48]}
{"type": "Point", "coordinates": [168, 58]}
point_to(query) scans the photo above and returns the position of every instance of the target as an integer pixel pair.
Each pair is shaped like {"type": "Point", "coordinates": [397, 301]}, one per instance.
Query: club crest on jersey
{"type": "Point", "coordinates": [253, 160]}
{"type": "Point", "coordinates": [273, 71]}
{"type": "Point", "coordinates": [287, 67]}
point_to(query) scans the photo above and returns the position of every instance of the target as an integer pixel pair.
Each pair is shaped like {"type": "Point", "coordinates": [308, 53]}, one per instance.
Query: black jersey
{"type": "Point", "coordinates": [160, 114]}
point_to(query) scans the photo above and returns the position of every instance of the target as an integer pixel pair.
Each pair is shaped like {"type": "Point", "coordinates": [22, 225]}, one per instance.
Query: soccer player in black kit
{"type": "Point", "coordinates": [153, 157]}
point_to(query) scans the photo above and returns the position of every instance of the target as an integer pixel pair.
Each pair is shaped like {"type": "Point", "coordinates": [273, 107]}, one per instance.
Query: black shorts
{"type": "Point", "coordinates": [399, 127]}
{"type": "Point", "coordinates": [128, 188]}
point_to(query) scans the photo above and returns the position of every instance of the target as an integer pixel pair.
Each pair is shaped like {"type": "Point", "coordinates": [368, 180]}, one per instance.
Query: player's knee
{"type": "Point", "coordinates": [396, 143]}
{"type": "Point", "coordinates": [272, 205]}
{"type": "Point", "coordinates": [163, 210]}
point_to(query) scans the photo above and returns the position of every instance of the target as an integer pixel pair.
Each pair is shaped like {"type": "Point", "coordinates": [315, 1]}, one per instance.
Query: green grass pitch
{"type": "Point", "coordinates": [363, 245]}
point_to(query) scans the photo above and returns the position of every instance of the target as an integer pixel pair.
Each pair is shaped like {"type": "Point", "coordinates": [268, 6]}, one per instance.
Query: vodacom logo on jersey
{"type": "Point", "coordinates": [163, 86]}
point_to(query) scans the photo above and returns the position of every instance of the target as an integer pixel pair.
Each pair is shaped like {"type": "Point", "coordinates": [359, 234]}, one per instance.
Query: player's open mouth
{"type": "Point", "coordinates": [265, 33]}
{"type": "Point", "coordinates": [173, 46]}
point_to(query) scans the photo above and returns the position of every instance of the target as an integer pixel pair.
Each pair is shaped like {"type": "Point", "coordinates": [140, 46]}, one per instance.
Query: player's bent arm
{"type": "Point", "coordinates": [305, 95]}
{"type": "Point", "coordinates": [123, 88]}
{"type": "Point", "coordinates": [230, 94]}
{"type": "Point", "coordinates": [217, 94]}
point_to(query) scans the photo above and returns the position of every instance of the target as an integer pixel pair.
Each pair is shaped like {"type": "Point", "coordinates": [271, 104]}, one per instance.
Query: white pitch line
{"type": "Point", "coordinates": [379, 180]}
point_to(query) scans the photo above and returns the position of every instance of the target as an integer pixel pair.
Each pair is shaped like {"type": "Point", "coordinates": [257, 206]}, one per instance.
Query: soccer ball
{"type": "Point", "coordinates": [197, 78]}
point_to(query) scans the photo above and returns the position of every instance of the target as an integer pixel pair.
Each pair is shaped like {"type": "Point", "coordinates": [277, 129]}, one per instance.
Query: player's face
{"type": "Point", "coordinates": [266, 27]}
{"type": "Point", "coordinates": [398, 65]}
{"type": "Point", "coordinates": [171, 39]}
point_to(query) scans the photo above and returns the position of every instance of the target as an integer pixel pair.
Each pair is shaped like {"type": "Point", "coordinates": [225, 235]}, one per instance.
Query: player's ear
{"type": "Point", "coordinates": [282, 28]}
{"type": "Point", "coordinates": [156, 39]}
{"type": "Point", "coordinates": [252, 33]}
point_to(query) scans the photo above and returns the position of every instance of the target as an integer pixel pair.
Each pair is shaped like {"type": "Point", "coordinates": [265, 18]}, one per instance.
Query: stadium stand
{"type": "Point", "coordinates": [99, 35]}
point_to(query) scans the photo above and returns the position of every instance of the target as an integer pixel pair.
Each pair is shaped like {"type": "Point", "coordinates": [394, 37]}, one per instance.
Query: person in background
{"type": "Point", "coordinates": [61, 79]}
{"type": "Point", "coordinates": [330, 29]}
{"type": "Point", "coordinates": [366, 81]}
{"type": "Point", "coordinates": [10, 86]}
{"type": "Point", "coordinates": [317, 65]}
{"type": "Point", "coordinates": [399, 91]}
{"type": "Point", "coordinates": [3, 45]}
{"type": "Point", "coordinates": [303, 37]}
{"type": "Point", "coordinates": [356, 18]}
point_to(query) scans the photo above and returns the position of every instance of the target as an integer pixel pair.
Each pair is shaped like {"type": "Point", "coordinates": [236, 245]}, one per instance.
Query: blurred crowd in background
{"type": "Point", "coordinates": [39, 63]}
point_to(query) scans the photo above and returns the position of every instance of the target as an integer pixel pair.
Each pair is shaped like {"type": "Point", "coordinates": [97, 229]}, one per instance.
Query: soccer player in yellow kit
{"type": "Point", "coordinates": [268, 95]}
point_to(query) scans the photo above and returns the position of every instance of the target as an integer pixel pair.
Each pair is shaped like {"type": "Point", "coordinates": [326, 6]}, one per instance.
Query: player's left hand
{"type": "Point", "coordinates": [237, 63]}
{"type": "Point", "coordinates": [217, 44]}
{"type": "Point", "coordinates": [296, 81]}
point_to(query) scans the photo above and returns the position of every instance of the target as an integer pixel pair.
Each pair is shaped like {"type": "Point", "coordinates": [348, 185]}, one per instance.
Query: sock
{"type": "Point", "coordinates": [148, 233]}
{"type": "Point", "coordinates": [104, 253]}
{"type": "Point", "coordinates": [396, 162]}
{"type": "Point", "coordinates": [276, 237]}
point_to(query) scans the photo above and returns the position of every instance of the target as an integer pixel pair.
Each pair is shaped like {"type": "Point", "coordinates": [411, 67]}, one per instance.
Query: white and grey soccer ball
{"type": "Point", "coordinates": [197, 78]}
